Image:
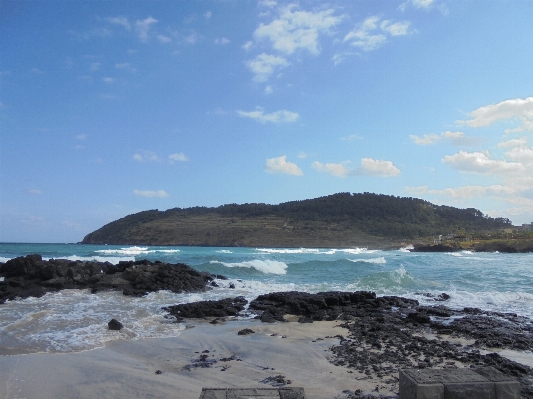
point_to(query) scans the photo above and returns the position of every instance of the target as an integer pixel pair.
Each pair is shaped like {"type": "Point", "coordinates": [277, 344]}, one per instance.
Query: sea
{"type": "Point", "coordinates": [76, 320]}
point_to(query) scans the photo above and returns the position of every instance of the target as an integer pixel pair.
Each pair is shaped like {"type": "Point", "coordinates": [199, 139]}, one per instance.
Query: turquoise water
{"type": "Point", "coordinates": [73, 320]}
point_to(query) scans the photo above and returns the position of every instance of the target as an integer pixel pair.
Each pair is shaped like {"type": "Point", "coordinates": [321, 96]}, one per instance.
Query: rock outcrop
{"type": "Point", "coordinates": [30, 276]}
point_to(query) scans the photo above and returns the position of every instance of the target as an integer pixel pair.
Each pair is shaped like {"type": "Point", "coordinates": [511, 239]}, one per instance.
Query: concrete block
{"type": "Point", "coordinates": [413, 386]}
{"type": "Point", "coordinates": [505, 387]}
{"type": "Point", "coordinates": [470, 390]}
{"type": "Point", "coordinates": [481, 383]}
{"type": "Point", "coordinates": [253, 393]}
{"type": "Point", "coordinates": [291, 393]}
{"type": "Point", "coordinates": [213, 393]}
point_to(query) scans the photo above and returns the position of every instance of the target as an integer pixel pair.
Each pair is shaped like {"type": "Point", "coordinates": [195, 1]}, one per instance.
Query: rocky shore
{"type": "Point", "coordinates": [389, 333]}
{"type": "Point", "coordinates": [385, 333]}
{"type": "Point", "coordinates": [31, 276]}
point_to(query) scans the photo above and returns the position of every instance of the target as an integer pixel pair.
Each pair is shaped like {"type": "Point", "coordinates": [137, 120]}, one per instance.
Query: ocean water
{"type": "Point", "coordinates": [75, 320]}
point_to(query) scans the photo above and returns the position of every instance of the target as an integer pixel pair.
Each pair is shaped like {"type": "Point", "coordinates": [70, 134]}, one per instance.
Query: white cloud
{"type": "Point", "coordinates": [519, 108]}
{"type": "Point", "coordinates": [376, 167]}
{"type": "Point", "coordinates": [422, 3]}
{"type": "Point", "coordinates": [455, 138]}
{"type": "Point", "coordinates": [221, 41]}
{"type": "Point", "coordinates": [334, 169]}
{"type": "Point", "coordinates": [367, 167]}
{"type": "Point", "coordinates": [426, 139]}
{"type": "Point", "coordinates": [248, 45]}
{"type": "Point", "coordinates": [164, 39]}
{"type": "Point", "coordinates": [81, 137]}
{"type": "Point", "coordinates": [513, 143]}
{"type": "Point", "coordinates": [371, 34]}
{"type": "Point", "coordinates": [192, 38]}
{"type": "Point", "coordinates": [282, 166]}
{"type": "Point", "coordinates": [95, 66]}
{"type": "Point", "coordinates": [269, 89]}
{"type": "Point", "coordinates": [267, 3]}
{"type": "Point", "coordinates": [109, 80]}
{"type": "Point", "coordinates": [126, 66]}
{"type": "Point", "coordinates": [481, 162]}
{"type": "Point", "coordinates": [151, 194]}
{"type": "Point", "coordinates": [179, 156]}
{"type": "Point", "coordinates": [142, 28]}
{"type": "Point", "coordinates": [34, 191]}
{"type": "Point", "coordinates": [461, 193]}
{"type": "Point", "coordinates": [282, 116]}
{"type": "Point", "coordinates": [352, 137]}
{"type": "Point", "coordinates": [208, 14]}
{"type": "Point", "coordinates": [265, 65]}
{"type": "Point", "coordinates": [302, 155]}
{"type": "Point", "coordinates": [295, 30]}
{"type": "Point", "coordinates": [147, 156]}
{"type": "Point", "coordinates": [123, 21]}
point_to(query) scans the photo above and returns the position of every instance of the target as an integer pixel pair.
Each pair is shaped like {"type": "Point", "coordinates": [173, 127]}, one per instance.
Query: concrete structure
{"type": "Point", "coordinates": [480, 383]}
{"type": "Point", "coordinates": [252, 393]}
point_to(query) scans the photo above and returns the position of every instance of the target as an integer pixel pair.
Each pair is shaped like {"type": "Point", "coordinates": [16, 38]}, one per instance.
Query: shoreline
{"type": "Point", "coordinates": [215, 355]}
{"type": "Point", "coordinates": [128, 368]}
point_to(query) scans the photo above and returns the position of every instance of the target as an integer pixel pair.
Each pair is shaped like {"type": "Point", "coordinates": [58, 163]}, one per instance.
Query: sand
{"type": "Point", "coordinates": [127, 369]}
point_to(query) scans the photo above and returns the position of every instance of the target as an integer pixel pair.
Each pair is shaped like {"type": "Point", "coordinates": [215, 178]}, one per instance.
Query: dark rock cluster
{"type": "Point", "coordinates": [201, 309]}
{"type": "Point", "coordinates": [30, 276]}
{"type": "Point", "coordinates": [389, 333]}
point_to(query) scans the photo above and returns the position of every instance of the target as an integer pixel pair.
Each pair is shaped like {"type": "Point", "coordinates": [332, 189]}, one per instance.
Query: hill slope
{"type": "Point", "coordinates": [339, 220]}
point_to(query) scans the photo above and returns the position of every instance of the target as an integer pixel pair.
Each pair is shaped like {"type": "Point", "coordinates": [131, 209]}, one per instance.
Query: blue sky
{"type": "Point", "coordinates": [108, 108]}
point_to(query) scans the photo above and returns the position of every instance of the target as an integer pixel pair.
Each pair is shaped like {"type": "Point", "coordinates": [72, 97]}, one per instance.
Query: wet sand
{"type": "Point", "coordinates": [127, 369]}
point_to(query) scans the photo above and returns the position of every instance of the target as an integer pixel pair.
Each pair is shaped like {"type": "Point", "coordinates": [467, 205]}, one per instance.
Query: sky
{"type": "Point", "coordinates": [108, 108]}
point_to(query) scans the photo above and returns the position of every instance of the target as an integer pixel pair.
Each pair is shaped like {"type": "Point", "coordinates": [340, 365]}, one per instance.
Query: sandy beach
{"type": "Point", "coordinates": [127, 369]}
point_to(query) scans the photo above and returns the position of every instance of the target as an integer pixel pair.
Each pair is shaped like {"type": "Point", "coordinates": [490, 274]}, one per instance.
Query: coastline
{"type": "Point", "coordinates": [215, 355]}
{"type": "Point", "coordinates": [128, 368]}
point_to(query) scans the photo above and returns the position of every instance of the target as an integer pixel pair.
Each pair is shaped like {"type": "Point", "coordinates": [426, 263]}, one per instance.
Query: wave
{"type": "Point", "coordinates": [355, 251]}
{"type": "Point", "coordinates": [135, 251]}
{"type": "Point", "coordinates": [407, 248]}
{"type": "Point", "coordinates": [111, 259]}
{"type": "Point", "coordinates": [224, 251]}
{"type": "Point", "coordinates": [379, 261]}
{"type": "Point", "coordinates": [264, 266]}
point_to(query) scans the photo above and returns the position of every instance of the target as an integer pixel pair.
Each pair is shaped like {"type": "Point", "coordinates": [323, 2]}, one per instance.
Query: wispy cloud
{"type": "Point", "coordinates": [281, 116]}
{"type": "Point", "coordinates": [151, 194]}
{"type": "Point", "coordinates": [282, 166]}
{"type": "Point", "coordinates": [297, 30]}
{"type": "Point", "coordinates": [122, 21]}
{"type": "Point", "coordinates": [372, 33]}
{"type": "Point", "coordinates": [264, 65]}
{"type": "Point", "coordinates": [147, 156]}
{"type": "Point", "coordinates": [518, 108]}
{"type": "Point", "coordinates": [455, 138]}
{"type": "Point", "coordinates": [221, 41]}
{"type": "Point", "coordinates": [142, 27]}
{"type": "Point", "coordinates": [35, 192]}
{"type": "Point", "coordinates": [367, 167]}
{"type": "Point", "coordinates": [178, 157]}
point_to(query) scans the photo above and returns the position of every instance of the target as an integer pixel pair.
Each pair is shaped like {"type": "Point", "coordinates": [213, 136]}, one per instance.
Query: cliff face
{"type": "Point", "coordinates": [340, 220]}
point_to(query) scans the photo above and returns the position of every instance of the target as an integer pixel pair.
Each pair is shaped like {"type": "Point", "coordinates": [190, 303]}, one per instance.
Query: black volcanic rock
{"type": "Point", "coordinates": [30, 276]}
{"type": "Point", "coordinates": [114, 324]}
{"type": "Point", "coordinates": [201, 309]}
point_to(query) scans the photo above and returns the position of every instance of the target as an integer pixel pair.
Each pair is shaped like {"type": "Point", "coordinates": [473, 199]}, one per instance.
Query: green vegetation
{"type": "Point", "coordinates": [339, 220]}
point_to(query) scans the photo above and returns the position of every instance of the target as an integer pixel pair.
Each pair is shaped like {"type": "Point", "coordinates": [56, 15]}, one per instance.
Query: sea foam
{"type": "Point", "coordinates": [264, 266]}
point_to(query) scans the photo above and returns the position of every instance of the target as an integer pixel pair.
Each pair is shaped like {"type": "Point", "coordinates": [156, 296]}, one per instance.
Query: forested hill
{"type": "Point", "coordinates": [338, 220]}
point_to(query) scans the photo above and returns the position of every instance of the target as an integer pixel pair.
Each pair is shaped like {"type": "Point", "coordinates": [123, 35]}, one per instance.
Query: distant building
{"type": "Point", "coordinates": [527, 226]}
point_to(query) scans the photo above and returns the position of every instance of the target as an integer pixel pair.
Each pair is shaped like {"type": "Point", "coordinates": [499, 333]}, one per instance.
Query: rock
{"type": "Point", "coordinates": [220, 308]}
{"type": "Point", "coordinates": [246, 331]}
{"type": "Point", "coordinates": [114, 324]}
{"type": "Point", "coordinates": [31, 276]}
